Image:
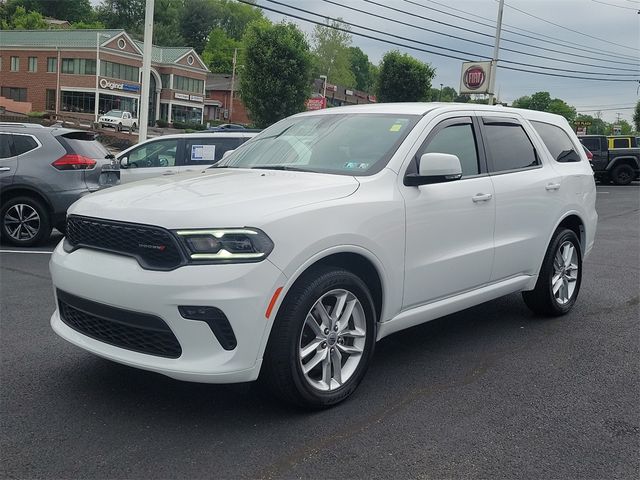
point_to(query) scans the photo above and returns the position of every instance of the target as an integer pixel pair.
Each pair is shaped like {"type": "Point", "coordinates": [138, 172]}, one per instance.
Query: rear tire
{"type": "Point", "coordinates": [119, 127]}
{"type": "Point", "coordinates": [315, 360]}
{"type": "Point", "coordinates": [623, 174]}
{"type": "Point", "coordinates": [24, 222]}
{"type": "Point", "coordinates": [560, 277]}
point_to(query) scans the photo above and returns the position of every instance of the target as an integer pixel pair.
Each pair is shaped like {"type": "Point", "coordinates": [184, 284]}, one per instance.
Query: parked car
{"type": "Point", "coordinates": [119, 119]}
{"type": "Point", "coordinates": [618, 165]}
{"type": "Point", "coordinates": [325, 233]}
{"type": "Point", "coordinates": [171, 154]}
{"type": "Point", "coordinates": [43, 171]}
{"type": "Point", "coordinates": [227, 126]}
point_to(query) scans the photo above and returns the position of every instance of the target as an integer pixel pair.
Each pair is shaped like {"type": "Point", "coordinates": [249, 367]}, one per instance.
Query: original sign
{"type": "Point", "coordinates": [125, 87]}
{"type": "Point", "coordinates": [475, 77]}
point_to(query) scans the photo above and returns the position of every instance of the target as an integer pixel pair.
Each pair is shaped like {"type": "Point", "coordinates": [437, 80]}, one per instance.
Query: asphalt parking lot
{"type": "Point", "coordinates": [491, 392]}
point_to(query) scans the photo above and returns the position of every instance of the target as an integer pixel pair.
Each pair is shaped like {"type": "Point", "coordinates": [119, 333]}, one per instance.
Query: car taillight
{"type": "Point", "coordinates": [589, 155]}
{"type": "Point", "coordinates": [73, 161]}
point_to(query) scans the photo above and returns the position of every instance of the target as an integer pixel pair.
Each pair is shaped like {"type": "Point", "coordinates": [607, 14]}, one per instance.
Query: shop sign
{"type": "Point", "coordinates": [348, 92]}
{"type": "Point", "coordinates": [475, 77]}
{"type": "Point", "coordinates": [196, 98]}
{"type": "Point", "coordinates": [125, 87]}
{"type": "Point", "coordinates": [181, 96]}
{"type": "Point", "coordinates": [582, 123]}
{"type": "Point", "coordinates": [317, 103]}
{"type": "Point", "coordinates": [372, 98]}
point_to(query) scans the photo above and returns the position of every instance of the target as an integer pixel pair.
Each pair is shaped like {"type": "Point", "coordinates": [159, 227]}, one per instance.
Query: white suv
{"type": "Point", "coordinates": [325, 233]}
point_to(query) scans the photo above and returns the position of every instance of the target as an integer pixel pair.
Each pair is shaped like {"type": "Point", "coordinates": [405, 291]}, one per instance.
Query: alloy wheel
{"type": "Point", "coordinates": [565, 273]}
{"type": "Point", "coordinates": [21, 222]}
{"type": "Point", "coordinates": [332, 340]}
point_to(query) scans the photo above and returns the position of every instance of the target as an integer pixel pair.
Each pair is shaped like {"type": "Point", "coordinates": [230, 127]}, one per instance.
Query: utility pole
{"type": "Point", "coordinates": [143, 108]}
{"type": "Point", "coordinates": [233, 81]}
{"type": "Point", "coordinates": [618, 115]}
{"type": "Point", "coordinates": [496, 51]}
{"type": "Point", "coordinates": [97, 97]}
{"type": "Point", "coordinates": [440, 95]}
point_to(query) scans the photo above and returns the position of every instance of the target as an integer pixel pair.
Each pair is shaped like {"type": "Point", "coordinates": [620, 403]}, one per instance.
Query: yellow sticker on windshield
{"type": "Point", "coordinates": [395, 127]}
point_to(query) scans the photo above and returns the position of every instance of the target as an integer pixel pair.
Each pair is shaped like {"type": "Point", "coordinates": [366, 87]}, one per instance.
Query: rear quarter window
{"type": "Point", "coordinates": [557, 142]}
{"type": "Point", "coordinates": [509, 147]}
{"type": "Point", "coordinates": [83, 144]}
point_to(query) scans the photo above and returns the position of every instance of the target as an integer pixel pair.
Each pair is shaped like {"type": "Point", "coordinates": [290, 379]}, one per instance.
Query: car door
{"type": "Point", "coordinates": [202, 152]}
{"type": "Point", "coordinates": [527, 195]}
{"type": "Point", "coordinates": [151, 159]}
{"type": "Point", "coordinates": [449, 226]}
{"type": "Point", "coordinates": [600, 156]}
{"type": "Point", "coordinates": [8, 161]}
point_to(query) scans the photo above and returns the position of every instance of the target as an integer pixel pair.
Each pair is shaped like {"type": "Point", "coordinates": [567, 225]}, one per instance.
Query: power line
{"type": "Point", "coordinates": [486, 35]}
{"type": "Point", "coordinates": [569, 29]}
{"type": "Point", "coordinates": [614, 5]}
{"type": "Point", "coordinates": [604, 109]}
{"type": "Point", "coordinates": [553, 41]}
{"type": "Point", "coordinates": [390, 42]}
{"type": "Point", "coordinates": [513, 62]}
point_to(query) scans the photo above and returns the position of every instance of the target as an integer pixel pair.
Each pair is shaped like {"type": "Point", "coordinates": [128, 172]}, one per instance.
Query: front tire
{"type": "Point", "coordinates": [560, 277]}
{"type": "Point", "coordinates": [622, 174]}
{"type": "Point", "coordinates": [24, 222]}
{"type": "Point", "coordinates": [119, 127]}
{"type": "Point", "coordinates": [322, 339]}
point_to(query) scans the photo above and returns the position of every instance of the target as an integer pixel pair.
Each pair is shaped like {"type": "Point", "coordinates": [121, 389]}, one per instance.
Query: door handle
{"type": "Point", "coordinates": [552, 186]}
{"type": "Point", "coordinates": [482, 197]}
{"type": "Point", "coordinates": [5, 169]}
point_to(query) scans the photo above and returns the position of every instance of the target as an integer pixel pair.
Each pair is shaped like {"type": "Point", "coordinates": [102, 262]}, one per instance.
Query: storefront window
{"type": "Point", "coordinates": [166, 80]}
{"type": "Point", "coordinates": [50, 100]}
{"type": "Point", "coordinates": [78, 102]}
{"type": "Point", "coordinates": [180, 113]}
{"type": "Point", "coordinates": [113, 102]}
{"type": "Point", "coordinates": [164, 112]}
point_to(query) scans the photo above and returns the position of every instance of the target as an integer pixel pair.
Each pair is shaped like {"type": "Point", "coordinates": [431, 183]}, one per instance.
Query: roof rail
{"type": "Point", "coordinates": [21, 125]}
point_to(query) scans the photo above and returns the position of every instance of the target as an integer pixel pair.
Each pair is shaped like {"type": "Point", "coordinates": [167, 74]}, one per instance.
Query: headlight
{"type": "Point", "coordinates": [226, 245]}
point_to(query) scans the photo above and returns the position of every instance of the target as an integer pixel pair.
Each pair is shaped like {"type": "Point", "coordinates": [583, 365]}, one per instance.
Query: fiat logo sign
{"type": "Point", "coordinates": [474, 77]}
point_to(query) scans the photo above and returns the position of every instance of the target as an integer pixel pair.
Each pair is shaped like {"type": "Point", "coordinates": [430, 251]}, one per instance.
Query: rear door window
{"type": "Point", "coordinates": [24, 143]}
{"type": "Point", "coordinates": [557, 142]}
{"type": "Point", "coordinates": [621, 143]}
{"type": "Point", "coordinates": [5, 146]}
{"type": "Point", "coordinates": [208, 151]}
{"type": "Point", "coordinates": [508, 146]}
{"type": "Point", "coordinates": [593, 144]}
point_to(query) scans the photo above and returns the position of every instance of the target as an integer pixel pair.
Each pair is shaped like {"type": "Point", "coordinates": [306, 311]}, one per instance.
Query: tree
{"type": "Point", "coordinates": [125, 14]}
{"type": "Point", "coordinates": [636, 117]}
{"type": "Point", "coordinates": [597, 127]}
{"type": "Point", "coordinates": [88, 26]}
{"type": "Point", "coordinates": [331, 53]}
{"type": "Point", "coordinates": [196, 21]}
{"type": "Point", "coordinates": [277, 73]}
{"type": "Point", "coordinates": [543, 102]}
{"type": "Point", "coordinates": [70, 10]}
{"type": "Point", "coordinates": [560, 107]}
{"type": "Point", "coordinates": [403, 78]}
{"type": "Point", "coordinates": [166, 19]}
{"type": "Point", "coordinates": [218, 54]}
{"type": "Point", "coordinates": [233, 17]}
{"type": "Point", "coordinates": [363, 70]}
{"type": "Point", "coordinates": [23, 20]}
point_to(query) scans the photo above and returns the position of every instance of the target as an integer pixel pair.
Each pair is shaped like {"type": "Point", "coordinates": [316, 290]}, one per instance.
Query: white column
{"type": "Point", "coordinates": [146, 71]}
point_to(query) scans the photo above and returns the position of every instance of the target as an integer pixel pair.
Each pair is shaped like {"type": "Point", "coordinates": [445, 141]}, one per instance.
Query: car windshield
{"type": "Point", "coordinates": [344, 144]}
{"type": "Point", "coordinates": [114, 113]}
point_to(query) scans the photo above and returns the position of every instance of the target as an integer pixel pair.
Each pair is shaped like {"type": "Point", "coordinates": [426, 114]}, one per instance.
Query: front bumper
{"type": "Point", "coordinates": [241, 291]}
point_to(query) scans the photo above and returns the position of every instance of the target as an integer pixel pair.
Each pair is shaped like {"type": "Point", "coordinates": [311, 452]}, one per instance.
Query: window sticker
{"type": "Point", "coordinates": [362, 166]}
{"type": "Point", "coordinates": [395, 127]}
{"type": "Point", "coordinates": [203, 153]}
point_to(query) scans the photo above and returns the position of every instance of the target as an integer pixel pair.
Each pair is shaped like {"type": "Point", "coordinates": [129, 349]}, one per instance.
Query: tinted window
{"type": "Point", "coordinates": [206, 151]}
{"type": "Point", "coordinates": [593, 144]}
{"type": "Point", "coordinates": [456, 140]}
{"type": "Point", "coordinates": [621, 143]}
{"type": "Point", "coordinates": [557, 142]}
{"type": "Point", "coordinates": [83, 144]}
{"type": "Point", "coordinates": [508, 147]}
{"type": "Point", "coordinates": [23, 143]}
{"type": "Point", "coordinates": [5, 147]}
{"type": "Point", "coordinates": [161, 153]}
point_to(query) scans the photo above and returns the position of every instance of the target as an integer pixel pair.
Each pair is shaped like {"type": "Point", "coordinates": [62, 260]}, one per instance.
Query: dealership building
{"type": "Point", "coordinates": [84, 73]}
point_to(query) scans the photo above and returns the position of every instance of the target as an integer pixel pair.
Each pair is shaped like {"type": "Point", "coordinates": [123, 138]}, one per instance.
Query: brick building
{"type": "Point", "coordinates": [217, 100]}
{"type": "Point", "coordinates": [55, 71]}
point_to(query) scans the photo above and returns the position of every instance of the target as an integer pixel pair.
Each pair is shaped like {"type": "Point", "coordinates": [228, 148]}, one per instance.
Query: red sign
{"type": "Point", "coordinates": [317, 103]}
{"type": "Point", "coordinates": [474, 78]}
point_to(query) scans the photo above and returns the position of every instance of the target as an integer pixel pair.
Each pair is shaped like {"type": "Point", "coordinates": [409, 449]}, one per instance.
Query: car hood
{"type": "Point", "coordinates": [214, 197]}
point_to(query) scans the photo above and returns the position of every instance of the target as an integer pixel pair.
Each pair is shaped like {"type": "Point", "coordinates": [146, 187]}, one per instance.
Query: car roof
{"type": "Point", "coordinates": [422, 108]}
{"type": "Point", "coordinates": [207, 133]}
{"type": "Point", "coordinates": [35, 128]}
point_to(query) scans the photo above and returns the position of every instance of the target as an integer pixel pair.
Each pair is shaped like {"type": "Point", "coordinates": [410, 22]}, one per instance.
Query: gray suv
{"type": "Point", "coordinates": [42, 172]}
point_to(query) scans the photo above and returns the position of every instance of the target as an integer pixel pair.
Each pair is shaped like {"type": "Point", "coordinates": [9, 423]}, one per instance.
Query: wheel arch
{"type": "Point", "coordinates": [574, 222]}
{"type": "Point", "coordinates": [22, 191]}
{"type": "Point", "coordinates": [625, 160]}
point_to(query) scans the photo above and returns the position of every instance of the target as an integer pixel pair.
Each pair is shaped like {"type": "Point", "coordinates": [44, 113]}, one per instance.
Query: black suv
{"type": "Point", "coordinates": [42, 172]}
{"type": "Point", "coordinates": [618, 165]}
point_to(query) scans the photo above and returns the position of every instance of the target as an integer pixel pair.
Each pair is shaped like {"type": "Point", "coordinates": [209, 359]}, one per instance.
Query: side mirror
{"type": "Point", "coordinates": [435, 168]}
{"type": "Point", "coordinates": [227, 153]}
{"type": "Point", "coordinates": [124, 162]}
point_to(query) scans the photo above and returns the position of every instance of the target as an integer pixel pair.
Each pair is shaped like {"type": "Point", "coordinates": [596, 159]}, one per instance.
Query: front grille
{"type": "Point", "coordinates": [155, 248]}
{"type": "Point", "coordinates": [135, 331]}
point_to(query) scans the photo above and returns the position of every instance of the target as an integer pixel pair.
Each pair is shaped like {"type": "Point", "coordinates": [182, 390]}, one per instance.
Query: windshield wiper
{"type": "Point", "coordinates": [281, 167]}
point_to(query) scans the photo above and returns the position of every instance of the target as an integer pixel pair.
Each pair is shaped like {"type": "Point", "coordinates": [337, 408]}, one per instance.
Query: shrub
{"type": "Point", "coordinates": [162, 123]}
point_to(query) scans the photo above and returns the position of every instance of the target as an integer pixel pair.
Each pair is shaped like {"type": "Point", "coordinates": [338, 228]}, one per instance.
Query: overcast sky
{"type": "Point", "coordinates": [616, 27]}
